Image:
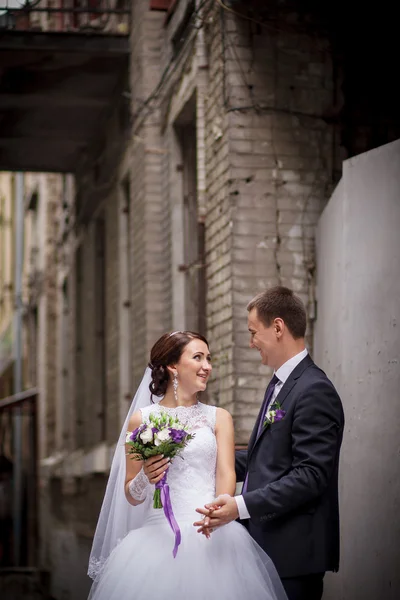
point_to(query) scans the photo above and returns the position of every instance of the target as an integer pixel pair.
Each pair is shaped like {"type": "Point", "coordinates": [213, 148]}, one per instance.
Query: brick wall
{"type": "Point", "coordinates": [70, 505]}
{"type": "Point", "coordinates": [51, 186]}
{"type": "Point", "coordinates": [266, 165]}
{"type": "Point", "coordinates": [265, 170]}
{"type": "Point", "coordinates": [40, 290]}
{"type": "Point", "coordinates": [150, 220]}
{"type": "Point", "coordinates": [266, 159]}
{"type": "Point", "coordinates": [270, 165]}
{"type": "Point", "coordinates": [112, 307]}
{"type": "Point", "coordinates": [88, 376]}
{"type": "Point", "coordinates": [219, 224]}
{"type": "Point", "coordinates": [96, 381]}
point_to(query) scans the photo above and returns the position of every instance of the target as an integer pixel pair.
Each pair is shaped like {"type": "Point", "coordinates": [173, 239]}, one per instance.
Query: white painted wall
{"type": "Point", "coordinates": [357, 343]}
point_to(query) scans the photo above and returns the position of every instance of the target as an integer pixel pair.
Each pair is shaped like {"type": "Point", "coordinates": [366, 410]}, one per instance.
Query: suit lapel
{"type": "Point", "coordinates": [281, 398]}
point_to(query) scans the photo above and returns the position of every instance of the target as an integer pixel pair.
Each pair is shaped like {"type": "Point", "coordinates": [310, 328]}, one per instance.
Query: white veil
{"type": "Point", "coordinates": [118, 517]}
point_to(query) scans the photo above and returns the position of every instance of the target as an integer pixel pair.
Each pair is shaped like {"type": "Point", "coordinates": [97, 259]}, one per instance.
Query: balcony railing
{"type": "Point", "coordinates": [110, 17]}
{"type": "Point", "coordinates": [18, 477]}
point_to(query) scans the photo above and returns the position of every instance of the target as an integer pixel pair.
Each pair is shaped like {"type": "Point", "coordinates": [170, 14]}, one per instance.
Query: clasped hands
{"type": "Point", "coordinates": [220, 512]}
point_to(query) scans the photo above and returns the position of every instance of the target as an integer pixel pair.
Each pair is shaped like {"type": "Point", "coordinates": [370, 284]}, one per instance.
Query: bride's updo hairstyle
{"type": "Point", "coordinates": [167, 351]}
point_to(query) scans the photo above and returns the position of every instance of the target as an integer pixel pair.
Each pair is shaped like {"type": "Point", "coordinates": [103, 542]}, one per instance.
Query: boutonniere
{"type": "Point", "coordinates": [274, 414]}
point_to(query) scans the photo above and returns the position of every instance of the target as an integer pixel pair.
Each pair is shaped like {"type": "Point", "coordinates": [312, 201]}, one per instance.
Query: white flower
{"type": "Point", "coordinates": [128, 436]}
{"type": "Point", "coordinates": [147, 435]}
{"type": "Point", "coordinates": [270, 417]}
{"type": "Point", "coordinates": [161, 436]}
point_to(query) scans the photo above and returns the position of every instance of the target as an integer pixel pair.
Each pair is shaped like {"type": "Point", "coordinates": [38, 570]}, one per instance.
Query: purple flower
{"type": "Point", "coordinates": [155, 430]}
{"type": "Point", "coordinates": [177, 435]}
{"type": "Point", "coordinates": [135, 434]}
{"type": "Point", "coordinates": [279, 415]}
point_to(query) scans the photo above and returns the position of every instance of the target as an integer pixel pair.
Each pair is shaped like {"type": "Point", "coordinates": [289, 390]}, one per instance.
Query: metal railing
{"type": "Point", "coordinates": [110, 17]}
{"type": "Point", "coordinates": [18, 480]}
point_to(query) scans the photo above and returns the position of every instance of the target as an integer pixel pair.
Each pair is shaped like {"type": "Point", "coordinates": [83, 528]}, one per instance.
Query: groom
{"type": "Point", "coordinates": [289, 500]}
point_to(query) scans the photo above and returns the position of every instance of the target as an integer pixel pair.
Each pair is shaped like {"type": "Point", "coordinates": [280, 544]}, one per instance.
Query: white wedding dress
{"type": "Point", "coordinates": [228, 566]}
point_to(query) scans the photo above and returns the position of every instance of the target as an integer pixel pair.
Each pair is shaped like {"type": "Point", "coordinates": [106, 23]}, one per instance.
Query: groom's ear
{"type": "Point", "coordinates": [279, 327]}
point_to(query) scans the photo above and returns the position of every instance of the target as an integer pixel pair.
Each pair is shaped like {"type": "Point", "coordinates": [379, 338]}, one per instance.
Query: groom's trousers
{"type": "Point", "coordinates": [308, 587]}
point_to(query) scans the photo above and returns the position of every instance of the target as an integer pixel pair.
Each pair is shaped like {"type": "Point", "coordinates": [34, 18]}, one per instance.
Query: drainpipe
{"type": "Point", "coordinates": [17, 413]}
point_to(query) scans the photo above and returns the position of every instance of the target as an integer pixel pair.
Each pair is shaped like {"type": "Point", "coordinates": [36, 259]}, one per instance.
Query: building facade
{"type": "Point", "coordinates": [213, 164]}
{"type": "Point", "coordinates": [213, 196]}
{"type": "Point", "coordinates": [7, 191]}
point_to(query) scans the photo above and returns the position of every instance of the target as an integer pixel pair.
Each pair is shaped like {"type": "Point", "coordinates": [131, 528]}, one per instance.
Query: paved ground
{"type": "Point", "coordinates": [19, 585]}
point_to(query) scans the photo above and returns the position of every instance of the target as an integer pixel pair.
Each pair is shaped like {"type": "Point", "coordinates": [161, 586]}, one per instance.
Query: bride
{"type": "Point", "coordinates": [132, 554]}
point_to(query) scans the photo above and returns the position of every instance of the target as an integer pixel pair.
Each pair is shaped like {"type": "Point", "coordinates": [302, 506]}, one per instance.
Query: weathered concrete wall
{"type": "Point", "coordinates": [357, 343]}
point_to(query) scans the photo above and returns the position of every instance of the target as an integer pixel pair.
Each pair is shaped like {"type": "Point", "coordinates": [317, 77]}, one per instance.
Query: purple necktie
{"type": "Point", "coordinates": [263, 411]}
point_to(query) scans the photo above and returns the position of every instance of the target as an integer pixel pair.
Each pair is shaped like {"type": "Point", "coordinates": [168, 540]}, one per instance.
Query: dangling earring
{"type": "Point", "coordinates": [175, 384]}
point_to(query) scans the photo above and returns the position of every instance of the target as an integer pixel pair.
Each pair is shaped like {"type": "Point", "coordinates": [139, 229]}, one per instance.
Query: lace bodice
{"type": "Point", "coordinates": [191, 475]}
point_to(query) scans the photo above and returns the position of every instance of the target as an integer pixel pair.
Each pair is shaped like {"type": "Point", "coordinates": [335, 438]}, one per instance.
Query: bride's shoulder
{"type": "Point", "coordinates": [135, 420]}
{"type": "Point", "coordinates": [222, 413]}
{"type": "Point", "coordinates": [146, 411]}
{"type": "Point", "coordinates": [223, 418]}
{"type": "Point", "coordinates": [140, 416]}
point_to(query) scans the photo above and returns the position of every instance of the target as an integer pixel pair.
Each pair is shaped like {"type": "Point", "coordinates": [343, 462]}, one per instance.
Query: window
{"type": "Point", "coordinates": [193, 265]}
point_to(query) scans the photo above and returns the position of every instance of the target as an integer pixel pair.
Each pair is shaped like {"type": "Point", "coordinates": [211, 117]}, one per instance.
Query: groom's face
{"type": "Point", "coordinates": [262, 338]}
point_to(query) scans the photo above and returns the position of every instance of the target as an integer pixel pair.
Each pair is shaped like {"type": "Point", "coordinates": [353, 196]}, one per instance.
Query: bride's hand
{"type": "Point", "coordinates": [155, 467]}
{"type": "Point", "coordinates": [205, 529]}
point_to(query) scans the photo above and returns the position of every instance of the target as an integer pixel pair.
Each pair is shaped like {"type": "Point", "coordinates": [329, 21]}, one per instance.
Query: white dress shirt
{"type": "Point", "coordinates": [282, 374]}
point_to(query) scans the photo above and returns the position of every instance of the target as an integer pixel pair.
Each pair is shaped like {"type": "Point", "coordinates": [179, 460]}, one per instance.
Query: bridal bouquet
{"type": "Point", "coordinates": [163, 434]}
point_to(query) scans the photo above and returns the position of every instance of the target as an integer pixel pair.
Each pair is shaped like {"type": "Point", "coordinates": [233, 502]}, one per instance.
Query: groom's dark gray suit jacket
{"type": "Point", "coordinates": [292, 488]}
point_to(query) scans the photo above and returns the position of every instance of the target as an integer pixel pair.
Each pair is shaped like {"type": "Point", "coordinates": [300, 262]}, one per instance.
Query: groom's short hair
{"type": "Point", "coordinates": [281, 302]}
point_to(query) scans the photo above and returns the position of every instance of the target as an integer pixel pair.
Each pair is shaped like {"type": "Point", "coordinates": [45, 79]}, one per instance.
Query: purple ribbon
{"type": "Point", "coordinates": [166, 502]}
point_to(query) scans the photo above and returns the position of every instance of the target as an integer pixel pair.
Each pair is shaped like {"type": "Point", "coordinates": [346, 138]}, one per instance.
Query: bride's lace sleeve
{"type": "Point", "coordinates": [139, 486]}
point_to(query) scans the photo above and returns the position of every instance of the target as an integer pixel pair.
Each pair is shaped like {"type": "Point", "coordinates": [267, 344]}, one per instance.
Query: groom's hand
{"type": "Point", "coordinates": [220, 512]}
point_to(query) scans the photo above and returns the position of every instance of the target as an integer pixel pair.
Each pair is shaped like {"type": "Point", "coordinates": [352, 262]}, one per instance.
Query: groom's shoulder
{"type": "Point", "coordinates": [313, 375]}
{"type": "Point", "coordinates": [316, 380]}
{"type": "Point", "coordinates": [313, 371]}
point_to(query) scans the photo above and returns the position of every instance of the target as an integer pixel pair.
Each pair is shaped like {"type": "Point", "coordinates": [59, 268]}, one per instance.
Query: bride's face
{"type": "Point", "coordinates": [194, 367]}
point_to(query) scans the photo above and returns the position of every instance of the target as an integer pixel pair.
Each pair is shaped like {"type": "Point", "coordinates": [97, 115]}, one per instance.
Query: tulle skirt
{"type": "Point", "coordinates": [228, 566]}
